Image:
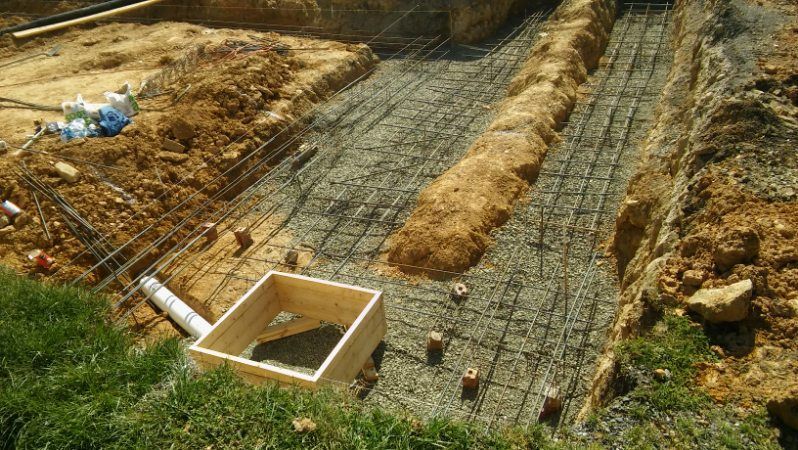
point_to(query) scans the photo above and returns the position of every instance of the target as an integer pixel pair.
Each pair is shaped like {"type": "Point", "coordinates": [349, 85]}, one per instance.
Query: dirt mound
{"type": "Point", "coordinates": [221, 109]}
{"type": "Point", "coordinates": [761, 350]}
{"type": "Point", "coordinates": [450, 228]}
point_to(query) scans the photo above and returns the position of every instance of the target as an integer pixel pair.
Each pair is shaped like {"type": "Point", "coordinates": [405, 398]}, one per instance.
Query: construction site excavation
{"type": "Point", "coordinates": [491, 212]}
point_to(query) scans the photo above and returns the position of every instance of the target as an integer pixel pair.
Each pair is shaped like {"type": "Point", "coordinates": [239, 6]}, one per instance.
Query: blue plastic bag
{"type": "Point", "coordinates": [79, 128]}
{"type": "Point", "coordinates": [112, 121]}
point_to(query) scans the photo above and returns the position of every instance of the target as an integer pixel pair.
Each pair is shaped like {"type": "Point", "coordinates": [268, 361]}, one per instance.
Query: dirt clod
{"type": "Point", "coordinates": [737, 245]}
{"type": "Point", "coordinates": [182, 130]}
{"type": "Point", "coordinates": [785, 406]}
{"type": "Point", "coordinates": [303, 425]}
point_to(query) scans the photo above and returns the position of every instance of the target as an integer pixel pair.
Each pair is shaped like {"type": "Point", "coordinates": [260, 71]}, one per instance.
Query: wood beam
{"type": "Point", "coordinates": [288, 328]}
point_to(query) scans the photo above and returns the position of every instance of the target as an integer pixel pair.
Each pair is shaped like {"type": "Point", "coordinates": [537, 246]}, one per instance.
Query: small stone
{"type": "Point", "coordinates": [119, 200]}
{"type": "Point", "coordinates": [785, 231]}
{"type": "Point", "coordinates": [770, 69]}
{"type": "Point", "coordinates": [4, 221]}
{"type": "Point", "coordinates": [3, 146]}
{"type": "Point", "coordinates": [182, 130]}
{"type": "Point", "coordinates": [727, 304]}
{"type": "Point", "coordinates": [21, 219]}
{"type": "Point", "coordinates": [662, 374]}
{"type": "Point", "coordinates": [67, 172]}
{"type": "Point", "coordinates": [176, 158]}
{"type": "Point", "coordinates": [303, 425]}
{"type": "Point", "coordinates": [635, 212]}
{"type": "Point", "coordinates": [291, 258]}
{"type": "Point", "coordinates": [370, 374]}
{"type": "Point", "coordinates": [693, 278]}
{"type": "Point", "coordinates": [718, 350]}
{"type": "Point", "coordinates": [173, 146]}
{"type": "Point", "coordinates": [736, 246]}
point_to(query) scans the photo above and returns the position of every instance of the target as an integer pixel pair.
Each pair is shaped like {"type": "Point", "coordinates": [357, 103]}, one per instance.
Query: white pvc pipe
{"type": "Point", "coordinates": [181, 313]}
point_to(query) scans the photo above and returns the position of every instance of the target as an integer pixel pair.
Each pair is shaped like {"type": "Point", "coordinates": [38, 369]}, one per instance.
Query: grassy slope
{"type": "Point", "coordinates": [69, 380]}
{"type": "Point", "coordinates": [672, 412]}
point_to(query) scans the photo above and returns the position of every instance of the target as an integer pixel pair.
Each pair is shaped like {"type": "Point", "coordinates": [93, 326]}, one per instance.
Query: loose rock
{"type": "Point", "coordinates": [662, 374]}
{"type": "Point", "coordinates": [67, 172]}
{"type": "Point", "coordinates": [182, 130]}
{"type": "Point", "coordinates": [736, 246]}
{"type": "Point", "coordinates": [173, 146]}
{"type": "Point", "coordinates": [727, 304]}
{"type": "Point", "coordinates": [173, 157]}
{"type": "Point", "coordinates": [693, 278]}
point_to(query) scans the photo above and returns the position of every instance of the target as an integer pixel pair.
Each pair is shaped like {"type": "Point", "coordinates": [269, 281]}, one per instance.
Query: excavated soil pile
{"type": "Point", "coordinates": [216, 106]}
{"type": "Point", "coordinates": [451, 225]}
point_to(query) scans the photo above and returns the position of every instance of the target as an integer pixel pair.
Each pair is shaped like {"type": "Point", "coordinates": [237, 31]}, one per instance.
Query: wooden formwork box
{"type": "Point", "coordinates": [360, 310]}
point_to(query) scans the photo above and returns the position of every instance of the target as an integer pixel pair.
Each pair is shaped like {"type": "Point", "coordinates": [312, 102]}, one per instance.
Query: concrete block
{"type": "Point", "coordinates": [209, 228]}
{"type": "Point", "coordinates": [371, 375]}
{"type": "Point", "coordinates": [243, 237]}
{"type": "Point", "coordinates": [471, 378]}
{"type": "Point", "coordinates": [553, 402]}
{"type": "Point", "coordinates": [434, 341]}
{"type": "Point", "coordinates": [67, 172]}
{"type": "Point", "coordinates": [173, 146]}
{"type": "Point", "coordinates": [459, 292]}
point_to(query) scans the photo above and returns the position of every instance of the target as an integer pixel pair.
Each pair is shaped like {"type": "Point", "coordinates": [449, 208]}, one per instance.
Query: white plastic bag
{"type": "Point", "coordinates": [92, 109]}
{"type": "Point", "coordinates": [123, 100]}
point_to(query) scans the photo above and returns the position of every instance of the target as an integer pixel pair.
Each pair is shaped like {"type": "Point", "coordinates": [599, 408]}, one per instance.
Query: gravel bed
{"type": "Point", "coordinates": [521, 325]}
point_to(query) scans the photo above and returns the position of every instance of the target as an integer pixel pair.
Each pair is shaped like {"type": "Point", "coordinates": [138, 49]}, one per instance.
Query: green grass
{"type": "Point", "coordinates": [675, 413]}
{"type": "Point", "coordinates": [675, 344]}
{"type": "Point", "coordinates": [70, 380]}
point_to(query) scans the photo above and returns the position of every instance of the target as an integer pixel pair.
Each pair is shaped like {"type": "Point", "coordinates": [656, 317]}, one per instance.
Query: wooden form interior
{"type": "Point", "coordinates": [360, 310]}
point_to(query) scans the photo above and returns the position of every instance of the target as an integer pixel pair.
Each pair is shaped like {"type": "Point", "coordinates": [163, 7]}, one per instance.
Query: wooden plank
{"type": "Point", "coordinates": [79, 21]}
{"type": "Point", "coordinates": [252, 371]}
{"type": "Point", "coordinates": [360, 309]}
{"type": "Point", "coordinates": [288, 328]}
{"type": "Point", "coordinates": [357, 345]}
{"type": "Point", "coordinates": [244, 321]}
{"type": "Point", "coordinates": [330, 302]}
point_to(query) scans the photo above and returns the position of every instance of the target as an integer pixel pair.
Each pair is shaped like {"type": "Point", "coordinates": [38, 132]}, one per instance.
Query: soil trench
{"type": "Point", "coordinates": [707, 178]}
{"type": "Point", "coordinates": [465, 21]}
